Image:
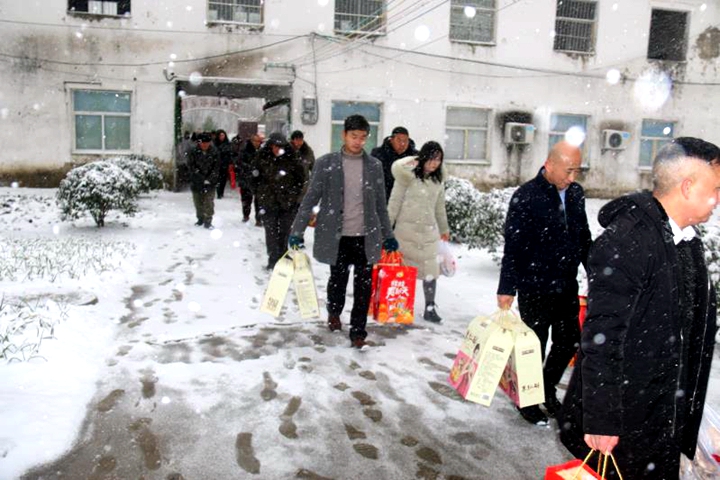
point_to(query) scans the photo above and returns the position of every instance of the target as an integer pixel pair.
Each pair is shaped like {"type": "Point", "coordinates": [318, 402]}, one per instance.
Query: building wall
{"type": "Point", "coordinates": [414, 79]}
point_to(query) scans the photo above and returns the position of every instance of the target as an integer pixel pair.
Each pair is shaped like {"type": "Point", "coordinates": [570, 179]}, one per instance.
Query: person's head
{"type": "Point", "coordinates": [355, 133]}
{"type": "Point", "coordinates": [429, 162]}
{"type": "Point", "coordinates": [563, 164]}
{"type": "Point", "coordinates": [205, 139]}
{"type": "Point", "coordinates": [276, 142]}
{"type": "Point", "coordinates": [297, 139]}
{"type": "Point", "coordinates": [255, 140]}
{"type": "Point", "coordinates": [221, 136]}
{"type": "Point", "coordinates": [686, 180]}
{"type": "Point", "coordinates": [186, 135]}
{"type": "Point", "coordinates": [400, 140]}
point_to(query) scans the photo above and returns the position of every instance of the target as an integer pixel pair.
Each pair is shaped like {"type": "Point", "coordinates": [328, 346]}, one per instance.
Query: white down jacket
{"type": "Point", "coordinates": [417, 212]}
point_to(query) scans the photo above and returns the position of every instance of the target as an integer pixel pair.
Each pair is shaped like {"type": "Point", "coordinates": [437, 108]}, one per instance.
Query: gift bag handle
{"type": "Point", "coordinates": [602, 458]}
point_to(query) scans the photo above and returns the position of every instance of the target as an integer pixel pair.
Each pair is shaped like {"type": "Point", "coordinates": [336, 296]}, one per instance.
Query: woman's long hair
{"type": "Point", "coordinates": [427, 152]}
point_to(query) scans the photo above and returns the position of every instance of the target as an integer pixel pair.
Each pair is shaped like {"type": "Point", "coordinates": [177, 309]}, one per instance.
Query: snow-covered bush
{"type": "Point", "coordinates": [711, 239]}
{"type": "Point", "coordinates": [59, 259]}
{"type": "Point", "coordinates": [476, 218]}
{"type": "Point", "coordinates": [96, 188]}
{"type": "Point", "coordinates": [142, 169]}
{"type": "Point", "coordinates": [24, 326]}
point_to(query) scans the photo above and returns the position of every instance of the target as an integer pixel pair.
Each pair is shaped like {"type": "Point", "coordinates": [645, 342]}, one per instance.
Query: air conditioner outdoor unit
{"type": "Point", "coordinates": [519, 133]}
{"type": "Point", "coordinates": [615, 140]}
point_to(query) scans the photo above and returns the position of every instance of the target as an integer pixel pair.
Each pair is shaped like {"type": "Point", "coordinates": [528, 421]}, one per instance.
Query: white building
{"type": "Point", "coordinates": [80, 79]}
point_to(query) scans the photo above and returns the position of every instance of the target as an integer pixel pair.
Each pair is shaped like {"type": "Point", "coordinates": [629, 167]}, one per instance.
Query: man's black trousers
{"type": "Point", "coordinates": [540, 311]}
{"type": "Point", "coordinates": [277, 223]}
{"type": "Point", "coordinates": [351, 252]}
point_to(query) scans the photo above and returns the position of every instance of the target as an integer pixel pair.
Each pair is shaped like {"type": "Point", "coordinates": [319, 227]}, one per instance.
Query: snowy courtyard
{"type": "Point", "coordinates": [159, 365]}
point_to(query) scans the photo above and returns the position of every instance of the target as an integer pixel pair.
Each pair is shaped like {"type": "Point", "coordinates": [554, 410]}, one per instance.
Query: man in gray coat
{"type": "Point", "coordinates": [352, 224]}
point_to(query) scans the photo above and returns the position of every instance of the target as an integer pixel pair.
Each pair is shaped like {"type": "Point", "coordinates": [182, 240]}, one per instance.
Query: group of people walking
{"type": "Point", "coordinates": [644, 353]}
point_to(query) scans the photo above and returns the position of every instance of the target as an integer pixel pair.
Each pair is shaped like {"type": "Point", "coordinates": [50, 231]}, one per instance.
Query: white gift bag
{"type": "Point", "coordinates": [446, 260]}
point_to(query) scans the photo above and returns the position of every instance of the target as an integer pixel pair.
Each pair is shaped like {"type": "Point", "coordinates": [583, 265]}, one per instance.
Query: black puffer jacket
{"type": "Point", "coordinates": [387, 156]}
{"type": "Point", "coordinates": [204, 168]}
{"type": "Point", "coordinates": [277, 181]}
{"type": "Point", "coordinates": [543, 245]}
{"type": "Point", "coordinates": [646, 380]}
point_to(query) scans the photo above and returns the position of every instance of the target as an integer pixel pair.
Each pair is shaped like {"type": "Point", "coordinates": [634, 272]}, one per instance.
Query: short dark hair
{"type": "Point", "coordinates": [297, 134]}
{"type": "Point", "coordinates": [399, 130]}
{"type": "Point", "coordinates": [428, 151]}
{"type": "Point", "coordinates": [356, 122]}
{"type": "Point", "coordinates": [696, 148]}
{"type": "Point", "coordinates": [672, 154]}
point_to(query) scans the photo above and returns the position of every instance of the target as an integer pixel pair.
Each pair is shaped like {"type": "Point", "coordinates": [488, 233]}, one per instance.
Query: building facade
{"type": "Point", "coordinates": [497, 82]}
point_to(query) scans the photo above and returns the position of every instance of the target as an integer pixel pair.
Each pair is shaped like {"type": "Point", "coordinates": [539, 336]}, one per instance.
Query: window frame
{"type": "Point", "coordinates": [458, 5]}
{"type": "Point", "coordinates": [376, 124]}
{"type": "Point", "coordinates": [379, 31]}
{"type": "Point", "coordinates": [465, 129]}
{"type": "Point", "coordinates": [593, 33]}
{"type": "Point", "coordinates": [72, 9]}
{"type": "Point", "coordinates": [102, 114]}
{"type": "Point", "coordinates": [685, 40]}
{"type": "Point", "coordinates": [234, 5]}
{"type": "Point", "coordinates": [656, 141]}
{"type": "Point", "coordinates": [561, 133]}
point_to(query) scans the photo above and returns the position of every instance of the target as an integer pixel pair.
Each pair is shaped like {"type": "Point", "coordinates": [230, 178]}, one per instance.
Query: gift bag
{"type": "Point", "coordinates": [482, 357]}
{"type": "Point", "coordinates": [386, 258]}
{"type": "Point", "coordinates": [446, 261]}
{"type": "Point", "coordinates": [706, 463]}
{"type": "Point", "coordinates": [304, 283]}
{"type": "Point", "coordinates": [394, 300]}
{"type": "Point", "coordinates": [278, 287]}
{"type": "Point", "coordinates": [231, 175]}
{"type": "Point", "coordinates": [522, 379]}
{"type": "Point", "coordinates": [579, 469]}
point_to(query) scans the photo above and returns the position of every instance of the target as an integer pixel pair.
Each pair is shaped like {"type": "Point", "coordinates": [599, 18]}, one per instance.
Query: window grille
{"type": "Point", "coordinates": [246, 12]}
{"type": "Point", "coordinates": [472, 21]}
{"type": "Point", "coordinates": [360, 16]}
{"type": "Point", "coordinates": [575, 26]}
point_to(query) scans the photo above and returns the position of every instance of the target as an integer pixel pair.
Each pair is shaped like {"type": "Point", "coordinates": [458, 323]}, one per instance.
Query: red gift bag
{"type": "Point", "coordinates": [231, 174]}
{"type": "Point", "coordinates": [394, 300]}
{"type": "Point", "coordinates": [386, 258]}
{"type": "Point", "coordinates": [579, 470]}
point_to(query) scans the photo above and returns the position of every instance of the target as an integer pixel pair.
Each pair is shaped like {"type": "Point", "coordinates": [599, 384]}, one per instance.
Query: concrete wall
{"type": "Point", "coordinates": [414, 79]}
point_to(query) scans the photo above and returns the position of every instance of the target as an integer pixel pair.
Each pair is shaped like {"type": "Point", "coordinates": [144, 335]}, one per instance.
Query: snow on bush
{"type": "Point", "coordinates": [24, 326]}
{"type": "Point", "coordinates": [476, 218]}
{"type": "Point", "coordinates": [142, 169]}
{"type": "Point", "coordinates": [96, 188]}
{"type": "Point", "coordinates": [58, 259]}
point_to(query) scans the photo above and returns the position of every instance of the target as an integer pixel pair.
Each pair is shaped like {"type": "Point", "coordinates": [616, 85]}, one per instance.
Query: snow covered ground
{"type": "Point", "coordinates": [174, 373]}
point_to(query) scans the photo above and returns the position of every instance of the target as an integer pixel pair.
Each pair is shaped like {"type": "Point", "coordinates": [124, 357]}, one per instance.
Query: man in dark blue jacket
{"type": "Point", "coordinates": [546, 239]}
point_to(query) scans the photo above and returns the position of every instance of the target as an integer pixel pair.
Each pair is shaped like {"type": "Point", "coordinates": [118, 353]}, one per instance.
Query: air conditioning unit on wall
{"type": "Point", "coordinates": [615, 140]}
{"type": "Point", "coordinates": [519, 133]}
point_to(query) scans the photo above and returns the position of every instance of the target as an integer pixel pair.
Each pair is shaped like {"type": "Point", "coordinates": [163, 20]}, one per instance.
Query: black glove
{"type": "Point", "coordinates": [295, 241]}
{"type": "Point", "coordinates": [390, 245]}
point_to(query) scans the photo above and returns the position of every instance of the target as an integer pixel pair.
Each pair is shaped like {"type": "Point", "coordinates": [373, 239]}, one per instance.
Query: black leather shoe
{"type": "Point", "coordinates": [431, 314]}
{"type": "Point", "coordinates": [552, 406]}
{"type": "Point", "coordinates": [198, 223]}
{"type": "Point", "coordinates": [534, 415]}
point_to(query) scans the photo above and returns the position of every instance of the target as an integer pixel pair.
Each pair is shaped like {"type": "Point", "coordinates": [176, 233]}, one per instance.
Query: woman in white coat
{"type": "Point", "coordinates": [417, 212]}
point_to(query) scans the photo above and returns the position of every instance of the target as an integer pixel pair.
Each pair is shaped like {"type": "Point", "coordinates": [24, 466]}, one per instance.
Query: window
{"type": "Point", "coordinates": [102, 120]}
{"type": "Point", "coordinates": [104, 7]}
{"type": "Point", "coordinates": [668, 35]}
{"type": "Point", "coordinates": [342, 110]}
{"type": "Point", "coordinates": [654, 134]}
{"type": "Point", "coordinates": [560, 123]}
{"type": "Point", "coordinates": [575, 26]}
{"type": "Point", "coordinates": [360, 16]}
{"type": "Point", "coordinates": [472, 21]}
{"type": "Point", "coordinates": [248, 12]}
{"type": "Point", "coordinates": [466, 132]}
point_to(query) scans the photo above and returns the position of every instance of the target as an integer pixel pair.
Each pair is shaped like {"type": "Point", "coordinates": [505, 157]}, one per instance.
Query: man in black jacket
{"type": "Point", "coordinates": [277, 179]}
{"type": "Point", "coordinates": [546, 238]}
{"type": "Point", "coordinates": [398, 145]}
{"type": "Point", "coordinates": [639, 387]}
{"type": "Point", "coordinates": [204, 170]}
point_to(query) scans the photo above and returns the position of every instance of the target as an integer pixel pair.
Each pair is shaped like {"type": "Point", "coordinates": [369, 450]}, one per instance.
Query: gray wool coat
{"type": "Point", "coordinates": [417, 209]}
{"type": "Point", "coordinates": [326, 190]}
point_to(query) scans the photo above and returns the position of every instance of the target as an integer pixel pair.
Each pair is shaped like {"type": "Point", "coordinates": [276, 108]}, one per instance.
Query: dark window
{"type": "Point", "coordinates": [575, 26]}
{"type": "Point", "coordinates": [100, 7]}
{"type": "Point", "coordinates": [360, 16]}
{"type": "Point", "coordinates": [668, 35]}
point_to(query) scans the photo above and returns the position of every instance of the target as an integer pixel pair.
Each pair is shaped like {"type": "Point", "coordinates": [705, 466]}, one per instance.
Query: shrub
{"type": "Point", "coordinates": [476, 218]}
{"type": "Point", "coordinates": [142, 169]}
{"type": "Point", "coordinates": [96, 188]}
